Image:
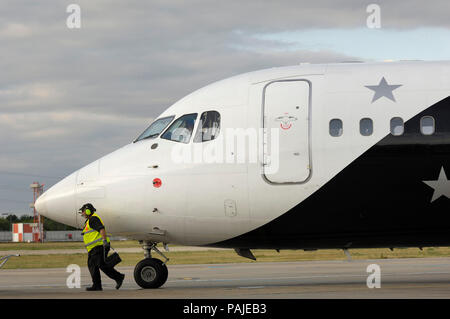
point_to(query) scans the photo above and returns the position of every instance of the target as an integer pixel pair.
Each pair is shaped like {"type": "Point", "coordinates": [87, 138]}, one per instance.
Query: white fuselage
{"type": "Point", "coordinates": [201, 203]}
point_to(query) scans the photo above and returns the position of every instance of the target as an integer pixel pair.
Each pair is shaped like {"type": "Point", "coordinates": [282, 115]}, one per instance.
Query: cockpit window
{"type": "Point", "coordinates": [209, 127]}
{"type": "Point", "coordinates": [181, 129]}
{"type": "Point", "coordinates": [155, 128]}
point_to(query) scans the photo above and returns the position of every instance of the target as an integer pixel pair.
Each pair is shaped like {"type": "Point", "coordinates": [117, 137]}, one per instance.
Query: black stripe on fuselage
{"type": "Point", "coordinates": [379, 200]}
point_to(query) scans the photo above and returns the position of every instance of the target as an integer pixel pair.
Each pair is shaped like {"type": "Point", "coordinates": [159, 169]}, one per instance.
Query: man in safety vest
{"type": "Point", "coordinates": [97, 245]}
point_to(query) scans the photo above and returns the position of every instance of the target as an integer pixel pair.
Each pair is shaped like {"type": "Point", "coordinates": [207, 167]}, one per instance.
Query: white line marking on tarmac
{"type": "Point", "coordinates": [263, 278]}
{"type": "Point", "coordinates": [309, 277]}
{"type": "Point", "coordinates": [248, 279]}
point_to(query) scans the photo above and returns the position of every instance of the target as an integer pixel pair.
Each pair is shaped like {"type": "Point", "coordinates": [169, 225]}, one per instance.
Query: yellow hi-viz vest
{"type": "Point", "coordinates": [91, 237]}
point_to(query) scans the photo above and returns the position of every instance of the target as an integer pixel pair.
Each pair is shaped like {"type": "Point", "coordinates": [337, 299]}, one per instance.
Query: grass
{"type": "Point", "coordinates": [228, 256]}
{"type": "Point", "coordinates": [61, 245]}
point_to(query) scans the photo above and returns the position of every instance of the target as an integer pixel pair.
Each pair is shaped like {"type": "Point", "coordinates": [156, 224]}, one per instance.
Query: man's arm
{"type": "Point", "coordinates": [103, 233]}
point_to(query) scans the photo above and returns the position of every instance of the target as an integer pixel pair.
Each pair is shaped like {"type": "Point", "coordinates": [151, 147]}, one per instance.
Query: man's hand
{"type": "Point", "coordinates": [105, 242]}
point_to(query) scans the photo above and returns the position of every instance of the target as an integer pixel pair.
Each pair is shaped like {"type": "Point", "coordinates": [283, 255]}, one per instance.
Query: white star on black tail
{"type": "Point", "coordinates": [441, 186]}
{"type": "Point", "coordinates": [383, 89]}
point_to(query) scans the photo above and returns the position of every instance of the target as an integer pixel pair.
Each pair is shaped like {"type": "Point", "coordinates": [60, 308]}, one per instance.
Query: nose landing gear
{"type": "Point", "coordinates": [151, 272]}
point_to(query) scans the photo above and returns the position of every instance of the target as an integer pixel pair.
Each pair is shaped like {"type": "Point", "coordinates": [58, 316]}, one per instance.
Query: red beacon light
{"type": "Point", "coordinates": [157, 183]}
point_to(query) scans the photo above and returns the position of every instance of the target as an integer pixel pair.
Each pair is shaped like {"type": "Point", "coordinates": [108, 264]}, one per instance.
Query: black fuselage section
{"type": "Point", "coordinates": [379, 200]}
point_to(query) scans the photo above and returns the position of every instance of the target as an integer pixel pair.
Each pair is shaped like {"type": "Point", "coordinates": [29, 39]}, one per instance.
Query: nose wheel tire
{"type": "Point", "coordinates": [150, 273]}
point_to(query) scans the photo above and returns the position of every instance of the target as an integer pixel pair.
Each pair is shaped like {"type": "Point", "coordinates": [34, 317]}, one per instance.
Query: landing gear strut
{"type": "Point", "coordinates": [151, 272]}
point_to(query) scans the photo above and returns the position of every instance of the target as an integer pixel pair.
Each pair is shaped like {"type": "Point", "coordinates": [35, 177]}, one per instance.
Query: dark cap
{"type": "Point", "coordinates": [87, 206]}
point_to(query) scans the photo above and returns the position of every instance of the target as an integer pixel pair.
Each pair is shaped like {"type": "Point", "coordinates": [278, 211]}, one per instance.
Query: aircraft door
{"type": "Point", "coordinates": [286, 110]}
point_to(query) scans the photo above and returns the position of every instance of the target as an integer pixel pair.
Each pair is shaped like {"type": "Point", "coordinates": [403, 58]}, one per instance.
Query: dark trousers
{"type": "Point", "coordinates": [96, 262]}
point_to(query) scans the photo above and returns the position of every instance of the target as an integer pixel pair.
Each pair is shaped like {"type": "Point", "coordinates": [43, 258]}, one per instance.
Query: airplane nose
{"type": "Point", "coordinates": [41, 205]}
{"type": "Point", "coordinates": [58, 202]}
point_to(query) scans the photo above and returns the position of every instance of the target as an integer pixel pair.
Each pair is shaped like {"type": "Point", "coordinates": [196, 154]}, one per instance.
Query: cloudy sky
{"type": "Point", "coordinates": [70, 96]}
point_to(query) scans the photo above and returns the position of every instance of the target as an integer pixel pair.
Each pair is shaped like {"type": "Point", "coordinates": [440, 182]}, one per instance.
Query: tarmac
{"type": "Point", "coordinates": [398, 279]}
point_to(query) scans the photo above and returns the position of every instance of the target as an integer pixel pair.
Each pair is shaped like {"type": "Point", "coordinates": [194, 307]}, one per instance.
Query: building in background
{"type": "Point", "coordinates": [26, 232]}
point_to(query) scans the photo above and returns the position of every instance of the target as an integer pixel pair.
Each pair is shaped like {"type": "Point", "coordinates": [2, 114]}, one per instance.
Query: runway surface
{"type": "Point", "coordinates": [400, 278]}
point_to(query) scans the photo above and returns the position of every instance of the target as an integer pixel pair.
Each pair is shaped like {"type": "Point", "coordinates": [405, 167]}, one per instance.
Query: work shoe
{"type": "Point", "coordinates": [120, 281]}
{"type": "Point", "coordinates": [93, 288]}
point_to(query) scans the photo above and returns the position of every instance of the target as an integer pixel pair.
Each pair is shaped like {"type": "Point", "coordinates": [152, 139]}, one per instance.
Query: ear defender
{"type": "Point", "coordinates": [88, 212]}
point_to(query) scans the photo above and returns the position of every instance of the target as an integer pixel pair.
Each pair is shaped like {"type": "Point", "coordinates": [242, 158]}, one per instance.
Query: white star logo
{"type": "Point", "coordinates": [383, 89]}
{"type": "Point", "coordinates": [441, 186]}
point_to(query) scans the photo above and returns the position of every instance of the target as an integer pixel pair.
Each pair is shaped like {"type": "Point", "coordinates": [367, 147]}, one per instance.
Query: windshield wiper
{"type": "Point", "coordinates": [144, 138]}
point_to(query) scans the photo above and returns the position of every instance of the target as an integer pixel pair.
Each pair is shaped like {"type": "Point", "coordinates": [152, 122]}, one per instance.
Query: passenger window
{"type": "Point", "coordinates": [208, 128]}
{"type": "Point", "coordinates": [427, 125]}
{"type": "Point", "coordinates": [366, 127]}
{"type": "Point", "coordinates": [155, 128]}
{"type": "Point", "coordinates": [336, 128]}
{"type": "Point", "coordinates": [397, 126]}
{"type": "Point", "coordinates": [181, 129]}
